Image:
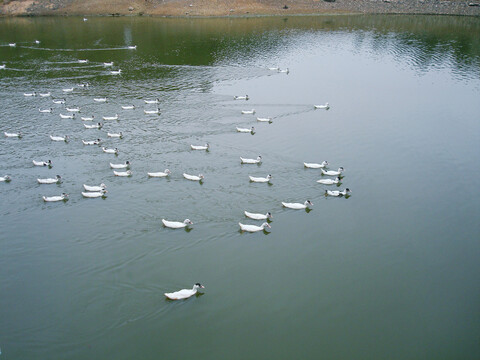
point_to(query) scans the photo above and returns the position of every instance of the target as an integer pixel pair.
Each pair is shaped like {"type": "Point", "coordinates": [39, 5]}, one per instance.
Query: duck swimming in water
{"type": "Point", "coordinates": [95, 194]}
{"type": "Point", "coordinates": [329, 181]}
{"type": "Point", "coordinates": [333, 172]}
{"type": "Point", "coordinates": [177, 224]}
{"type": "Point", "coordinates": [63, 197]}
{"type": "Point", "coordinates": [193, 177]}
{"type": "Point", "coordinates": [59, 138]}
{"type": "Point", "coordinates": [159, 174]}
{"type": "Point", "coordinates": [12, 135]}
{"type": "Point", "coordinates": [185, 293]}
{"type": "Point", "coordinates": [95, 188]}
{"type": "Point", "coordinates": [258, 160]}
{"type": "Point", "coordinates": [245, 130]}
{"type": "Point", "coordinates": [315, 165]}
{"type": "Point", "coordinates": [125, 165]}
{"type": "Point", "coordinates": [254, 216]}
{"type": "Point", "coordinates": [200, 147]}
{"type": "Point", "coordinates": [43, 163]}
{"type": "Point", "coordinates": [261, 179]}
{"type": "Point", "coordinates": [325, 107]}
{"type": "Point", "coordinates": [110, 151]}
{"type": "Point", "coordinates": [122, 173]}
{"type": "Point", "coordinates": [56, 180]}
{"type": "Point", "coordinates": [298, 206]}
{"type": "Point", "coordinates": [345, 192]}
{"type": "Point", "coordinates": [254, 228]}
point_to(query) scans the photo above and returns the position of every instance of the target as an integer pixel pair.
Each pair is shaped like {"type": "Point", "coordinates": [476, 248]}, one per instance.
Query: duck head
{"type": "Point", "coordinates": [168, 172]}
{"type": "Point", "coordinates": [308, 203]}
{"type": "Point", "coordinates": [188, 222]}
{"type": "Point", "coordinates": [198, 286]}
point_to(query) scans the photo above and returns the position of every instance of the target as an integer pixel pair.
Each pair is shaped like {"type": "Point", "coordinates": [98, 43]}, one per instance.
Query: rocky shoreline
{"type": "Point", "coordinates": [234, 8]}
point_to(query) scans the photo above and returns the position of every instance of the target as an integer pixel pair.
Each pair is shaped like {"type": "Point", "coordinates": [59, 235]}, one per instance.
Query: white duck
{"type": "Point", "coordinates": [159, 174]}
{"type": "Point", "coordinates": [72, 116]}
{"type": "Point", "coordinates": [151, 112]}
{"type": "Point", "coordinates": [245, 130]}
{"type": "Point", "coordinates": [95, 194]}
{"type": "Point", "coordinates": [329, 181]}
{"type": "Point", "coordinates": [63, 197]}
{"type": "Point", "coordinates": [12, 135]}
{"type": "Point", "coordinates": [37, 42]}
{"type": "Point", "coordinates": [286, 71]}
{"type": "Point", "coordinates": [116, 72]}
{"type": "Point", "coordinates": [337, 193]}
{"type": "Point", "coordinates": [5, 178]}
{"type": "Point", "coordinates": [45, 94]}
{"type": "Point", "coordinates": [128, 107]}
{"type": "Point", "coordinates": [108, 63]}
{"type": "Point", "coordinates": [110, 117]}
{"type": "Point", "coordinates": [185, 293]}
{"type": "Point", "coordinates": [333, 172]}
{"type": "Point", "coordinates": [122, 173]}
{"type": "Point", "coordinates": [3, 67]}
{"type": "Point", "coordinates": [82, 61]}
{"type": "Point", "coordinates": [315, 165]}
{"type": "Point", "coordinates": [176, 224]}
{"type": "Point", "coordinates": [258, 160]}
{"type": "Point", "coordinates": [75, 109]}
{"type": "Point", "coordinates": [45, 110]}
{"type": "Point", "coordinates": [59, 101]}
{"type": "Point", "coordinates": [269, 119]}
{"type": "Point", "coordinates": [326, 106]}
{"type": "Point", "coordinates": [156, 101]}
{"type": "Point", "coordinates": [248, 112]}
{"type": "Point", "coordinates": [95, 188]}
{"type": "Point", "coordinates": [87, 118]}
{"type": "Point", "coordinates": [115, 135]}
{"type": "Point", "coordinates": [132, 47]}
{"type": "Point", "coordinates": [43, 163]}
{"type": "Point", "coordinates": [91, 142]}
{"type": "Point", "coordinates": [254, 216]}
{"type": "Point", "coordinates": [93, 126]}
{"type": "Point", "coordinates": [200, 147]}
{"type": "Point", "coordinates": [30, 94]}
{"type": "Point", "coordinates": [12, 44]}
{"type": "Point", "coordinates": [67, 90]}
{"type": "Point", "coordinates": [126, 165]}
{"type": "Point", "coordinates": [240, 97]}
{"type": "Point", "coordinates": [200, 177]}
{"type": "Point", "coordinates": [253, 228]}
{"type": "Point", "coordinates": [110, 151]}
{"type": "Point", "coordinates": [100, 100]}
{"type": "Point", "coordinates": [59, 138]}
{"type": "Point", "coordinates": [261, 179]}
{"type": "Point", "coordinates": [56, 180]}
{"type": "Point", "coordinates": [298, 206]}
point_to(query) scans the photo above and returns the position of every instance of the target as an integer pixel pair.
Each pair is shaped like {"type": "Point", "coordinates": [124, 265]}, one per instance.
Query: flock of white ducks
{"type": "Point", "coordinates": [99, 191]}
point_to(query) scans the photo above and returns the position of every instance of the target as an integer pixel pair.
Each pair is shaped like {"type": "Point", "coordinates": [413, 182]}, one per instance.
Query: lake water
{"type": "Point", "coordinates": [391, 272]}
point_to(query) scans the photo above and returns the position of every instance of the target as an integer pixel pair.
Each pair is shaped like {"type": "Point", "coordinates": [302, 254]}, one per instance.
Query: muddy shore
{"type": "Point", "coordinates": [202, 8]}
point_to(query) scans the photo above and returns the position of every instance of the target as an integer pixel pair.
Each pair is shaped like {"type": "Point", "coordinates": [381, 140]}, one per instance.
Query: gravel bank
{"type": "Point", "coordinates": [236, 7]}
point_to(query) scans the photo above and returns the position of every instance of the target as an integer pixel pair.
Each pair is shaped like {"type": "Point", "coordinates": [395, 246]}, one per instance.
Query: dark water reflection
{"type": "Point", "coordinates": [390, 272]}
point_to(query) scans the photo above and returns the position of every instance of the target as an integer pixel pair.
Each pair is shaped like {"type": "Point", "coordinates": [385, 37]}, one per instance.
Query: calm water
{"type": "Point", "coordinates": [390, 273]}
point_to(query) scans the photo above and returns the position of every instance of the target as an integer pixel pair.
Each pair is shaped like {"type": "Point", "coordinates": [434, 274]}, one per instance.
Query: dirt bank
{"type": "Point", "coordinates": [235, 7]}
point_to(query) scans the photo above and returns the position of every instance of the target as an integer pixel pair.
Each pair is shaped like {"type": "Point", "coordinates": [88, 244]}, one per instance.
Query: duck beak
{"type": "Point", "coordinates": [201, 286]}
